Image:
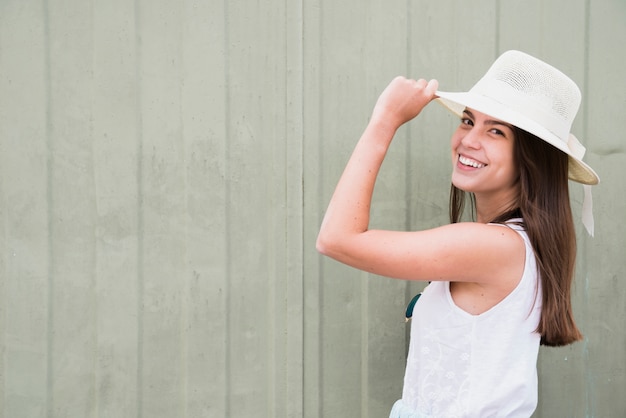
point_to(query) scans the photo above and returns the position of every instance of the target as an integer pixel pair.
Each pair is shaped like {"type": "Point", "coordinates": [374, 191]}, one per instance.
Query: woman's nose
{"type": "Point", "coordinates": [471, 139]}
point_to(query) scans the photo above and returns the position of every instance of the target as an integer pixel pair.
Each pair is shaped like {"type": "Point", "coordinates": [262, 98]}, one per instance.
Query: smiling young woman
{"type": "Point", "coordinates": [500, 285]}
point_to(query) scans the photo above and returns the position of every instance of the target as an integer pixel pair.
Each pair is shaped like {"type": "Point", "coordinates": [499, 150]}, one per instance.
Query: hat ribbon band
{"type": "Point", "coordinates": [576, 148]}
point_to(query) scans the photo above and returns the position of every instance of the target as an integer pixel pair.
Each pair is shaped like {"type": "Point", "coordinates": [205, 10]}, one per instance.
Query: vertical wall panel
{"type": "Point", "coordinates": [256, 96]}
{"type": "Point", "coordinates": [605, 343]}
{"type": "Point", "coordinates": [313, 207]}
{"type": "Point", "coordinates": [342, 298]}
{"type": "Point", "coordinates": [290, 393]}
{"type": "Point", "coordinates": [204, 284]}
{"type": "Point", "coordinates": [211, 272]}
{"type": "Point", "coordinates": [71, 191]}
{"type": "Point", "coordinates": [116, 146]}
{"type": "Point", "coordinates": [249, 157]}
{"type": "Point", "coordinates": [164, 208]}
{"type": "Point", "coordinates": [25, 169]}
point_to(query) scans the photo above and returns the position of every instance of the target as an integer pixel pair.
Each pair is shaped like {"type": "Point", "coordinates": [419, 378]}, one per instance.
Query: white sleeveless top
{"type": "Point", "coordinates": [463, 365]}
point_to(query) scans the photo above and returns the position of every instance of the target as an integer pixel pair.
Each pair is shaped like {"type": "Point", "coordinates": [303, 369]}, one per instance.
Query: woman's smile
{"type": "Point", "coordinates": [469, 162]}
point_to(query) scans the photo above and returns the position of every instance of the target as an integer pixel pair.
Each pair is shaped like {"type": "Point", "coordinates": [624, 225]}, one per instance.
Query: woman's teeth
{"type": "Point", "coordinates": [469, 162]}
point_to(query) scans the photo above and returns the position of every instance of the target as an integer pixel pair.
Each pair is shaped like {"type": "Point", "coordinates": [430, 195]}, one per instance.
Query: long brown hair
{"type": "Point", "coordinates": [543, 204]}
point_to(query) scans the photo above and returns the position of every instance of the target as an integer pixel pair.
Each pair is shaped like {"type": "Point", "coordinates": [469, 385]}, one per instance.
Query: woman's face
{"type": "Point", "coordinates": [482, 156]}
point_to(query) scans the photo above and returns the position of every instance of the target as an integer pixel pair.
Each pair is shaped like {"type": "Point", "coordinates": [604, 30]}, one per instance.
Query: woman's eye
{"type": "Point", "coordinates": [467, 121]}
{"type": "Point", "coordinates": [497, 132]}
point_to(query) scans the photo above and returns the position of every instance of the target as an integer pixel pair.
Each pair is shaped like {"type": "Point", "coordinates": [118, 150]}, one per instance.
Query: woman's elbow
{"type": "Point", "coordinates": [322, 245]}
{"type": "Point", "coordinates": [327, 244]}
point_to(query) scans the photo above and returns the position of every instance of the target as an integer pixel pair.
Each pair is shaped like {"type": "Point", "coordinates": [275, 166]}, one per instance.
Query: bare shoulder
{"type": "Point", "coordinates": [480, 253]}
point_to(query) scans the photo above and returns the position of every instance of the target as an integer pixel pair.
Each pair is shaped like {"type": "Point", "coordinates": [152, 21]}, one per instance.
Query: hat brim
{"type": "Point", "coordinates": [579, 171]}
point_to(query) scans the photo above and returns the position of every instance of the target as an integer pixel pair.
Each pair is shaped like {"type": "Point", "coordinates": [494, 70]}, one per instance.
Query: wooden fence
{"type": "Point", "coordinates": [165, 165]}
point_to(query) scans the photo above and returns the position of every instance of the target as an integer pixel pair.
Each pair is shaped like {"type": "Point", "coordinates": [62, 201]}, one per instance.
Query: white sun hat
{"type": "Point", "coordinates": [534, 96]}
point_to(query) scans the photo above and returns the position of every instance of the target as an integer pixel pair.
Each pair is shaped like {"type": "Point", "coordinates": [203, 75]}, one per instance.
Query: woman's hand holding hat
{"type": "Point", "coordinates": [402, 100]}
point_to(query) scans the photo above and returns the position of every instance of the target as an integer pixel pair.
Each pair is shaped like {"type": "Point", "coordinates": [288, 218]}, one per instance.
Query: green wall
{"type": "Point", "coordinates": [165, 165]}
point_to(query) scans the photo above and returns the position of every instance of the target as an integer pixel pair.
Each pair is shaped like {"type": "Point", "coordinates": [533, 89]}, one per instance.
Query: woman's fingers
{"type": "Point", "coordinates": [404, 99]}
{"type": "Point", "coordinates": [431, 88]}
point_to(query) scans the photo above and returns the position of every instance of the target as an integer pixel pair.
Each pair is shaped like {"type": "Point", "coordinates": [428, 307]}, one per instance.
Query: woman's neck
{"type": "Point", "coordinates": [489, 208]}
